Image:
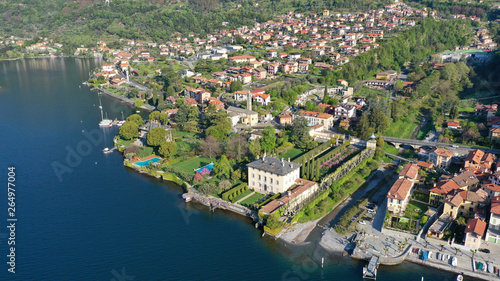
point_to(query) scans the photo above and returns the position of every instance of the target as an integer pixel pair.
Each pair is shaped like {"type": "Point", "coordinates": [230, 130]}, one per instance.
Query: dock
{"type": "Point", "coordinates": [370, 271]}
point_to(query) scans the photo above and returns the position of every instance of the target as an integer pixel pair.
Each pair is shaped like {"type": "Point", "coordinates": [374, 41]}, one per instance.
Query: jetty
{"type": "Point", "coordinates": [216, 203]}
{"type": "Point", "coordinates": [370, 271]}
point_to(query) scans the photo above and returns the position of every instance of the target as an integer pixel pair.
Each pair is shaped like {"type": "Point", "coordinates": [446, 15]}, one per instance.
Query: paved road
{"type": "Point", "coordinates": [440, 144]}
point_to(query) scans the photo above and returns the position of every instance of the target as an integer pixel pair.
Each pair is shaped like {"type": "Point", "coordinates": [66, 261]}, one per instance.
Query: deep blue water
{"type": "Point", "coordinates": [87, 217]}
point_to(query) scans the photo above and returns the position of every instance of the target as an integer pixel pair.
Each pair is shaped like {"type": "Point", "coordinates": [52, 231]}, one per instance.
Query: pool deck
{"type": "Point", "coordinates": [146, 159]}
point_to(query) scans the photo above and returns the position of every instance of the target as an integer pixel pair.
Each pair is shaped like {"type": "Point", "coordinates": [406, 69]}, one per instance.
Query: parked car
{"type": "Point", "coordinates": [484, 250]}
{"type": "Point", "coordinates": [371, 212]}
{"type": "Point", "coordinates": [362, 222]}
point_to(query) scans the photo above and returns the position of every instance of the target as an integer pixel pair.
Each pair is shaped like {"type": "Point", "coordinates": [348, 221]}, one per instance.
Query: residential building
{"type": "Point", "coordinates": [479, 160]}
{"type": "Point", "coordinates": [409, 172]}
{"type": "Point", "coordinates": [399, 196]}
{"type": "Point", "coordinates": [299, 193]}
{"type": "Point", "coordinates": [386, 75]}
{"type": "Point", "coordinates": [493, 234]}
{"type": "Point", "coordinates": [263, 99]}
{"type": "Point", "coordinates": [247, 117]}
{"type": "Point", "coordinates": [242, 58]}
{"type": "Point", "coordinates": [465, 203]}
{"type": "Point", "coordinates": [492, 189]}
{"type": "Point", "coordinates": [438, 194]}
{"type": "Point", "coordinates": [345, 111]}
{"type": "Point", "coordinates": [474, 232]}
{"type": "Point", "coordinates": [272, 175]}
{"type": "Point", "coordinates": [326, 120]}
{"type": "Point", "coordinates": [441, 157]}
{"type": "Point", "coordinates": [453, 124]}
{"type": "Point", "coordinates": [285, 118]}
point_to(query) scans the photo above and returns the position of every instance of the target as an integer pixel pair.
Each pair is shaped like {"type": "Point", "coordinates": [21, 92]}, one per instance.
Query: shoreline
{"type": "Point", "coordinates": [51, 57]}
{"type": "Point", "coordinates": [124, 99]}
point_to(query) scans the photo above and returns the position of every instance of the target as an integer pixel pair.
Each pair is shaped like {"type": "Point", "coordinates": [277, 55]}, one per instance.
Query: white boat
{"type": "Point", "coordinates": [120, 123]}
{"type": "Point", "coordinates": [460, 277]}
{"type": "Point", "coordinates": [430, 254]}
{"type": "Point", "coordinates": [454, 261]}
{"type": "Point", "coordinates": [105, 122]}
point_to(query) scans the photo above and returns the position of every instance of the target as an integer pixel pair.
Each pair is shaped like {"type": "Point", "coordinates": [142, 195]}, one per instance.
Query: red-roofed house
{"type": "Point", "coordinates": [493, 234]}
{"type": "Point", "coordinates": [263, 99]}
{"type": "Point", "coordinates": [409, 172]}
{"type": "Point", "coordinates": [453, 124]}
{"type": "Point", "coordinates": [218, 104]}
{"type": "Point", "coordinates": [399, 195]}
{"type": "Point", "coordinates": [474, 232]}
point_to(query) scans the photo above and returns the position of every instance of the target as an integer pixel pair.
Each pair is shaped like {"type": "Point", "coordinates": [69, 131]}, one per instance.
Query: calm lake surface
{"type": "Point", "coordinates": [83, 216]}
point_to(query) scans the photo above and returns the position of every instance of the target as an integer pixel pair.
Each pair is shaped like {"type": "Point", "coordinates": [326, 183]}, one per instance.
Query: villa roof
{"type": "Point", "coordinates": [300, 186]}
{"type": "Point", "coordinates": [443, 152]}
{"type": "Point", "coordinates": [466, 179]}
{"type": "Point", "coordinates": [445, 187]}
{"type": "Point", "coordinates": [475, 156]}
{"type": "Point", "coordinates": [400, 189]}
{"type": "Point", "coordinates": [274, 165]}
{"type": "Point", "coordinates": [492, 187]}
{"type": "Point", "coordinates": [476, 226]}
{"type": "Point", "coordinates": [495, 205]}
{"type": "Point", "coordinates": [410, 171]}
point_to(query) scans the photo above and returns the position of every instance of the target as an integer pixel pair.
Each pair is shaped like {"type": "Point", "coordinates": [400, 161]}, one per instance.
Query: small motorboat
{"type": "Point", "coordinates": [454, 261]}
{"type": "Point", "coordinates": [460, 277]}
{"type": "Point", "coordinates": [490, 267]}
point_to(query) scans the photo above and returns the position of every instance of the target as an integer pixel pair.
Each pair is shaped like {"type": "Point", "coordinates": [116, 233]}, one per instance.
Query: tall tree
{"type": "Point", "coordinates": [129, 130]}
{"type": "Point", "coordinates": [210, 147]}
{"type": "Point", "coordinates": [167, 149]}
{"type": "Point", "coordinates": [223, 168]}
{"type": "Point", "coordinates": [156, 136]}
{"type": "Point", "coordinates": [268, 140]}
{"type": "Point", "coordinates": [136, 118]}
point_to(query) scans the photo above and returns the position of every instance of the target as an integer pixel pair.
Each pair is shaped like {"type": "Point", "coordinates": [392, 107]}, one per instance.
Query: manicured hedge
{"type": "Point", "coordinates": [311, 153]}
{"type": "Point", "coordinates": [271, 198]}
{"type": "Point", "coordinates": [235, 191]}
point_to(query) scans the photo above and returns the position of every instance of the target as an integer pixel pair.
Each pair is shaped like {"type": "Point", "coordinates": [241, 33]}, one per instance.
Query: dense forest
{"type": "Point", "coordinates": [408, 49]}
{"type": "Point", "coordinates": [81, 22]}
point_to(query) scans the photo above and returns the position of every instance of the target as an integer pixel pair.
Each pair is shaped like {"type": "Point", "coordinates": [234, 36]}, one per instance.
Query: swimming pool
{"type": "Point", "coordinates": [209, 167]}
{"type": "Point", "coordinates": [146, 162]}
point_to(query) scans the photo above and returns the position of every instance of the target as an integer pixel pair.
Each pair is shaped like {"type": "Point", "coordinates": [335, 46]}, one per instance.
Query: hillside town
{"type": "Point", "coordinates": [244, 121]}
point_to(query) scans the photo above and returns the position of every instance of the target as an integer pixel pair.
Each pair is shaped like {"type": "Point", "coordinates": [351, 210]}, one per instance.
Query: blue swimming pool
{"type": "Point", "coordinates": [209, 167]}
{"type": "Point", "coordinates": [145, 163]}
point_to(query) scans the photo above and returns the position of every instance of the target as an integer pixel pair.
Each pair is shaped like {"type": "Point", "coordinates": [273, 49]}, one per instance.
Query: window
{"type": "Point", "coordinates": [260, 185]}
{"type": "Point", "coordinates": [265, 179]}
{"type": "Point", "coordinates": [271, 180]}
{"type": "Point", "coordinates": [253, 183]}
{"type": "Point", "coordinates": [259, 177]}
{"type": "Point", "coordinates": [277, 182]}
{"type": "Point", "coordinates": [253, 175]}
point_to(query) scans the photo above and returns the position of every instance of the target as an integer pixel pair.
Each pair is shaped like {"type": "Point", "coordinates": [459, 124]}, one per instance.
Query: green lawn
{"type": "Point", "coordinates": [242, 195]}
{"type": "Point", "coordinates": [292, 153]}
{"type": "Point", "coordinates": [192, 164]}
{"type": "Point", "coordinates": [412, 206]}
{"type": "Point", "coordinates": [250, 200]}
{"type": "Point", "coordinates": [121, 141]}
{"type": "Point", "coordinates": [145, 151]}
{"type": "Point", "coordinates": [425, 130]}
{"type": "Point", "coordinates": [403, 128]}
{"type": "Point", "coordinates": [390, 149]}
{"type": "Point", "coordinates": [466, 109]}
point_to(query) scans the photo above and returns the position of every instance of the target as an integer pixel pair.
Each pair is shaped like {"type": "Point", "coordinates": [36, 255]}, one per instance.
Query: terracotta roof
{"type": "Point", "coordinates": [453, 123]}
{"type": "Point", "coordinates": [478, 196]}
{"type": "Point", "coordinates": [445, 187]}
{"type": "Point", "coordinates": [475, 156]}
{"type": "Point", "coordinates": [476, 226]}
{"type": "Point", "coordinates": [454, 200]}
{"type": "Point", "coordinates": [424, 164]}
{"type": "Point", "coordinates": [301, 185]}
{"type": "Point", "coordinates": [492, 187]}
{"type": "Point", "coordinates": [315, 114]}
{"type": "Point", "coordinates": [443, 152]}
{"type": "Point", "coordinates": [495, 205]}
{"type": "Point", "coordinates": [410, 171]}
{"type": "Point", "coordinates": [400, 189]}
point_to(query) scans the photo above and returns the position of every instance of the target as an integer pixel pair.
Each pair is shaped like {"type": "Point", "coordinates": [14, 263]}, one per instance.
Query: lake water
{"type": "Point", "coordinates": [83, 216]}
